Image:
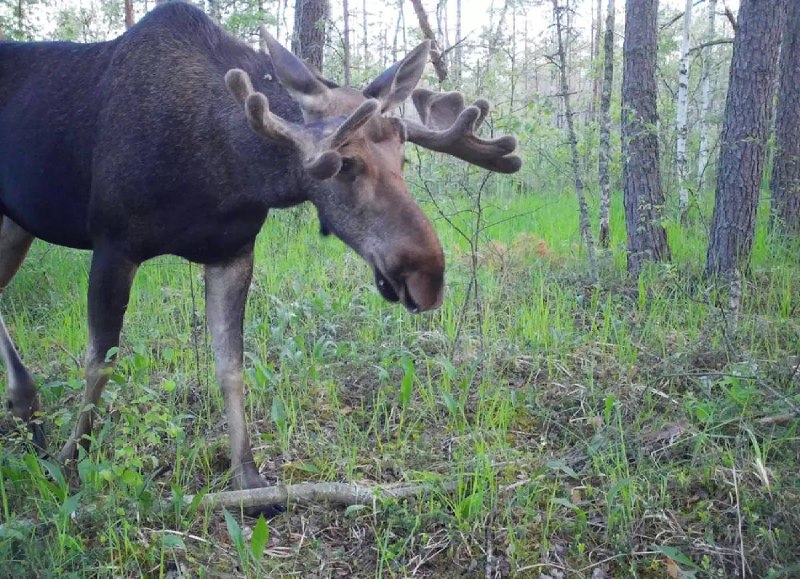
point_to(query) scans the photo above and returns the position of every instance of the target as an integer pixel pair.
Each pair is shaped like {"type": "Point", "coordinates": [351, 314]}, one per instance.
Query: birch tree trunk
{"type": "Point", "coordinates": [682, 128]}
{"type": "Point", "coordinates": [457, 55]}
{"type": "Point", "coordinates": [596, 82]}
{"type": "Point", "coordinates": [745, 130]}
{"type": "Point", "coordinates": [705, 111]}
{"type": "Point", "coordinates": [364, 24]}
{"type": "Point", "coordinates": [585, 227]}
{"type": "Point", "coordinates": [785, 186]}
{"type": "Point", "coordinates": [641, 176]}
{"type": "Point", "coordinates": [605, 127]}
{"type": "Point", "coordinates": [346, 43]}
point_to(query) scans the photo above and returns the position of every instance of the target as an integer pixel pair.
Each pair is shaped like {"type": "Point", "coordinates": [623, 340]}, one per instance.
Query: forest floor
{"type": "Point", "coordinates": [642, 429]}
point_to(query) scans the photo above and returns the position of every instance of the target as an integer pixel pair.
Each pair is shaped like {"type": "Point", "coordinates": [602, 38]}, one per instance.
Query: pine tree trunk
{"type": "Point", "coordinates": [605, 127]}
{"type": "Point", "coordinates": [641, 176]}
{"type": "Point", "coordinates": [585, 227]}
{"type": "Point", "coordinates": [128, 13]}
{"type": "Point", "coordinates": [310, 25]}
{"type": "Point", "coordinates": [785, 184]}
{"type": "Point", "coordinates": [705, 111]}
{"type": "Point", "coordinates": [425, 25]}
{"type": "Point", "coordinates": [745, 130]}
{"type": "Point", "coordinates": [682, 128]}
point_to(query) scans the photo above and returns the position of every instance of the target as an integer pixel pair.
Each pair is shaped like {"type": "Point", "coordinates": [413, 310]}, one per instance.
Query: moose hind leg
{"type": "Point", "coordinates": [110, 281]}
{"type": "Point", "coordinates": [23, 402]}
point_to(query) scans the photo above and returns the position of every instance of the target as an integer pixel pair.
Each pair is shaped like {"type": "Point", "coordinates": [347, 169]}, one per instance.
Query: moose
{"type": "Point", "coordinates": [177, 138]}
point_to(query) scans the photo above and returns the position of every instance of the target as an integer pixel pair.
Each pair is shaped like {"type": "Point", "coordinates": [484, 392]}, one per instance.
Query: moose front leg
{"type": "Point", "coordinates": [227, 285]}
{"type": "Point", "coordinates": [110, 281]}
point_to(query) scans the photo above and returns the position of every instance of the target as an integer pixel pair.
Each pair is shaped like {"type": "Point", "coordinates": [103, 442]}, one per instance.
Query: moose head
{"type": "Point", "coordinates": [351, 146]}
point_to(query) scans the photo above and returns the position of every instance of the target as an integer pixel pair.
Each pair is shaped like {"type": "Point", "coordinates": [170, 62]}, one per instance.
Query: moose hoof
{"type": "Point", "coordinates": [69, 453]}
{"type": "Point", "coordinates": [254, 480]}
{"type": "Point", "coordinates": [39, 438]}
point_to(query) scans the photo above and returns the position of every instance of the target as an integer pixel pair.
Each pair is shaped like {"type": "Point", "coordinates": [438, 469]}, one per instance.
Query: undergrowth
{"type": "Point", "coordinates": [624, 428]}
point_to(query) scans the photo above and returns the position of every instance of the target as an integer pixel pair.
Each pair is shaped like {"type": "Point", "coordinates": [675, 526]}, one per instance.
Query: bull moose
{"type": "Point", "coordinates": [177, 138]}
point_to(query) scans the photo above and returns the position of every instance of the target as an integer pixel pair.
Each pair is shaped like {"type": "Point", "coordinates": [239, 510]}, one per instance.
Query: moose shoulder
{"type": "Point", "coordinates": [176, 138]}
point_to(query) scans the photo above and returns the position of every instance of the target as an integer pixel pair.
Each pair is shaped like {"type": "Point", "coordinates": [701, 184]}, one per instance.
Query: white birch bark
{"type": "Point", "coordinates": [702, 158]}
{"type": "Point", "coordinates": [605, 127]}
{"type": "Point", "coordinates": [682, 128]}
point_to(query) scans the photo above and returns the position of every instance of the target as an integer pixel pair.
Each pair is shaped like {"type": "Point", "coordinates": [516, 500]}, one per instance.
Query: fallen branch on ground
{"type": "Point", "coordinates": [343, 494]}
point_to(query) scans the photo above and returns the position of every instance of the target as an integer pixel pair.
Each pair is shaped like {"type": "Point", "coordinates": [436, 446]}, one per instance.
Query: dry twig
{"type": "Point", "coordinates": [343, 494]}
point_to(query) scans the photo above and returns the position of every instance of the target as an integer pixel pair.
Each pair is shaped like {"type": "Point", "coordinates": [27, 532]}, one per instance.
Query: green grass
{"type": "Point", "coordinates": [613, 427]}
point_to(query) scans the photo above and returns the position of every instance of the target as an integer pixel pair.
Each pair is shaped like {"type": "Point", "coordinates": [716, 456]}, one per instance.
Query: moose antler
{"type": "Point", "coordinates": [449, 127]}
{"type": "Point", "coordinates": [321, 157]}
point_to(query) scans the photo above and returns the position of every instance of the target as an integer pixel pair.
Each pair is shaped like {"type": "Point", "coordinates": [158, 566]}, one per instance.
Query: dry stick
{"type": "Point", "coordinates": [739, 518]}
{"type": "Point", "coordinates": [343, 494]}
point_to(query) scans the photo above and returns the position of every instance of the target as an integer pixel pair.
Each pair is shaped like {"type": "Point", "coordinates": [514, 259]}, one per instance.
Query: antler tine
{"type": "Point", "coordinates": [354, 122]}
{"type": "Point", "coordinates": [321, 158]}
{"type": "Point", "coordinates": [256, 107]}
{"type": "Point", "coordinates": [449, 127]}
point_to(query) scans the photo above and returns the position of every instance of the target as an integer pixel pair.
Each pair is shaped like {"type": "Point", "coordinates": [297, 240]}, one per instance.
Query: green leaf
{"type": "Point", "coordinates": [234, 530]}
{"type": "Point", "coordinates": [450, 403]}
{"type": "Point", "coordinates": [676, 556]}
{"type": "Point", "coordinates": [609, 408]}
{"type": "Point", "coordinates": [407, 384]}
{"type": "Point", "coordinates": [352, 510]}
{"type": "Point", "coordinates": [170, 541]}
{"type": "Point", "coordinates": [260, 538]}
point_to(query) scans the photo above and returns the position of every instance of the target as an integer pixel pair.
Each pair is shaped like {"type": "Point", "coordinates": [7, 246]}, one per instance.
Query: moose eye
{"type": "Point", "coordinates": [351, 167]}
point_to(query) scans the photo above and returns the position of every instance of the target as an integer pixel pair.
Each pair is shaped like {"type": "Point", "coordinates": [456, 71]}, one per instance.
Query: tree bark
{"type": "Point", "coordinates": [458, 49]}
{"type": "Point", "coordinates": [705, 110]}
{"type": "Point", "coordinates": [605, 127]}
{"type": "Point", "coordinates": [585, 227]}
{"type": "Point", "coordinates": [365, 26]}
{"type": "Point", "coordinates": [425, 25]}
{"type": "Point", "coordinates": [681, 124]}
{"type": "Point", "coordinates": [745, 129]}
{"type": "Point", "coordinates": [785, 186]}
{"type": "Point", "coordinates": [310, 25]}
{"type": "Point", "coordinates": [641, 176]}
{"type": "Point", "coordinates": [128, 14]}
{"type": "Point", "coordinates": [346, 43]}
{"type": "Point", "coordinates": [596, 81]}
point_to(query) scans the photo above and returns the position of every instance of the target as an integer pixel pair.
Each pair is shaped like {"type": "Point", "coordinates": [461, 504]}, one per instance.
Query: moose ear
{"type": "Point", "coordinates": [310, 93]}
{"type": "Point", "coordinates": [395, 84]}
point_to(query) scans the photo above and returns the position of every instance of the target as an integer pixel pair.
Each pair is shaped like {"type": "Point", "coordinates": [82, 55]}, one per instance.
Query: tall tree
{"type": "Point", "coordinates": [705, 107]}
{"type": "Point", "coordinates": [346, 42]}
{"type": "Point", "coordinates": [596, 82]}
{"type": "Point", "coordinates": [785, 186]}
{"type": "Point", "coordinates": [559, 14]}
{"type": "Point", "coordinates": [436, 56]}
{"type": "Point", "coordinates": [605, 127]}
{"type": "Point", "coordinates": [745, 129]}
{"type": "Point", "coordinates": [641, 177]}
{"type": "Point", "coordinates": [457, 60]}
{"type": "Point", "coordinates": [310, 26]}
{"type": "Point", "coordinates": [128, 13]}
{"type": "Point", "coordinates": [681, 123]}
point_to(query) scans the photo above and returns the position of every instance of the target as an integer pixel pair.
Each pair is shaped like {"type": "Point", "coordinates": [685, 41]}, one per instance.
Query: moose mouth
{"type": "Point", "coordinates": [395, 291]}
